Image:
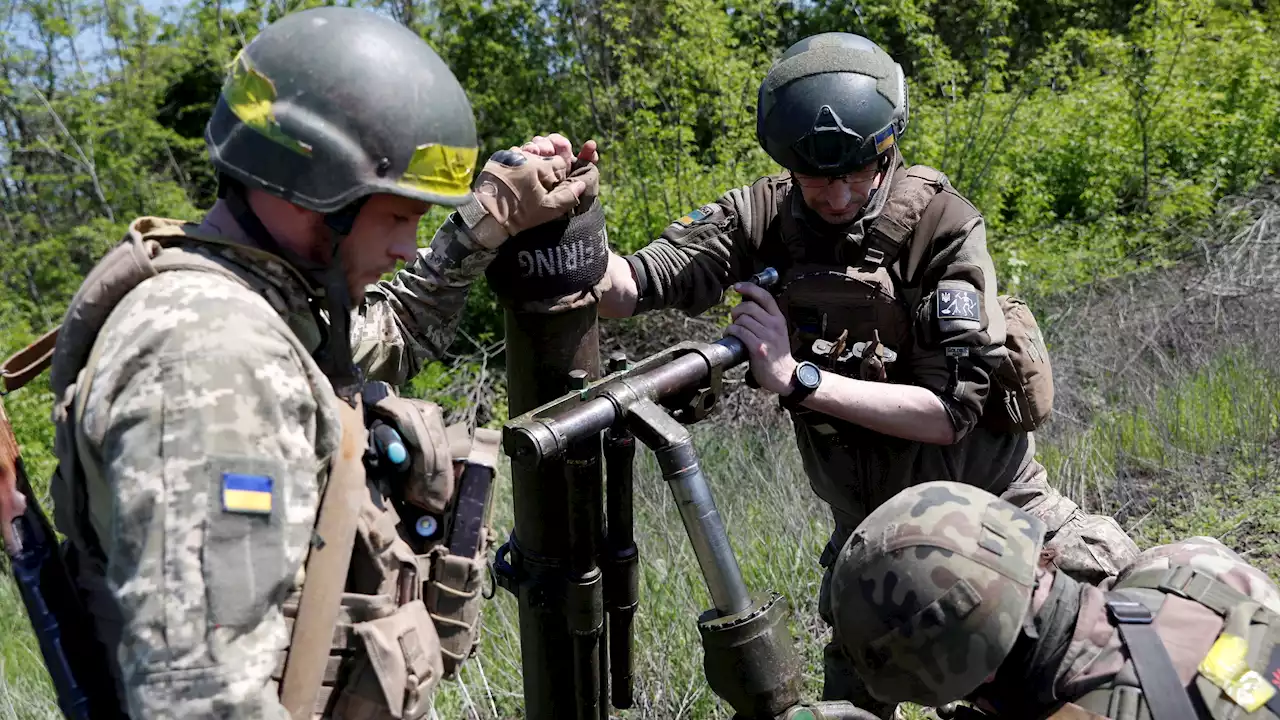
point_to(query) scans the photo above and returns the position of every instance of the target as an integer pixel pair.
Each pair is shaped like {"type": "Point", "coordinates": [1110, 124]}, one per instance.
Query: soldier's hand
{"type": "Point", "coordinates": [557, 144]}
{"type": "Point", "coordinates": [522, 190]}
{"type": "Point", "coordinates": [762, 328]}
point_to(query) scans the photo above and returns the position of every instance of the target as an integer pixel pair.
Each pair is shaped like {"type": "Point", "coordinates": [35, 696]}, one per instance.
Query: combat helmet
{"type": "Point", "coordinates": [329, 105]}
{"type": "Point", "coordinates": [832, 103]}
{"type": "Point", "coordinates": [931, 591]}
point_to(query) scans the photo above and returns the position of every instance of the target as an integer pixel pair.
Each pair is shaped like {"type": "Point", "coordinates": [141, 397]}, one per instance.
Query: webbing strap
{"type": "Point", "coordinates": [1166, 696]}
{"type": "Point", "coordinates": [28, 362]}
{"type": "Point", "coordinates": [326, 569]}
{"type": "Point", "coordinates": [1190, 583]}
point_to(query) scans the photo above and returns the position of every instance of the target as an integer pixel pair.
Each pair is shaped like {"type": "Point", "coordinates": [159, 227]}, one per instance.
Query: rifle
{"type": "Point", "coordinates": [75, 660]}
{"type": "Point", "coordinates": [567, 582]}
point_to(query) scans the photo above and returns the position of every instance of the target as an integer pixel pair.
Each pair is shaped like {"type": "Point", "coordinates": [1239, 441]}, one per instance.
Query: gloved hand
{"type": "Point", "coordinates": [518, 190]}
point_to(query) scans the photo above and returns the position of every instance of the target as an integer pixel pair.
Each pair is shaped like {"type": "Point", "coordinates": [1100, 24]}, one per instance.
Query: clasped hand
{"type": "Point", "coordinates": [762, 328]}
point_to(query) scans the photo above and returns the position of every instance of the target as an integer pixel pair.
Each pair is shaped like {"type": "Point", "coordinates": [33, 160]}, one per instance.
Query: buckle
{"type": "Point", "coordinates": [1129, 613]}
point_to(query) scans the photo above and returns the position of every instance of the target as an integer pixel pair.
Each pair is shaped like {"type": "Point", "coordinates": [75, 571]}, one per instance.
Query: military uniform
{"type": "Point", "coordinates": [209, 391]}
{"type": "Point", "coordinates": [942, 594]}
{"type": "Point", "coordinates": [880, 277]}
{"type": "Point", "coordinates": [198, 381]}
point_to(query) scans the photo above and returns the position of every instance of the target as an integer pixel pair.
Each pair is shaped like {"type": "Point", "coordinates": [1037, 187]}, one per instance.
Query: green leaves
{"type": "Point", "coordinates": [1093, 134]}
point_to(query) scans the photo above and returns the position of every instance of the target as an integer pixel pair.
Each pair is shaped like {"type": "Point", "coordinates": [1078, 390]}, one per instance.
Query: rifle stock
{"type": "Point", "coordinates": [71, 653]}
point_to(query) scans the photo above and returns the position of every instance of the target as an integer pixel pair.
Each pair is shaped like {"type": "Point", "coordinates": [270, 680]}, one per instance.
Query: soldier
{"type": "Point", "coordinates": [886, 331]}
{"type": "Point", "coordinates": [206, 373]}
{"type": "Point", "coordinates": [947, 592]}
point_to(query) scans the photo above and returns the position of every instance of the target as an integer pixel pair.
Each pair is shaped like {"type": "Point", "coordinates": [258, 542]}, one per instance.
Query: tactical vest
{"type": "Point", "coordinates": [395, 618]}
{"type": "Point", "coordinates": [856, 316]}
{"type": "Point", "coordinates": [1237, 670]}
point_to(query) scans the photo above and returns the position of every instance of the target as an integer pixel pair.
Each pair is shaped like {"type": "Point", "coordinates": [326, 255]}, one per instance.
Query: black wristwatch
{"type": "Point", "coordinates": [806, 378]}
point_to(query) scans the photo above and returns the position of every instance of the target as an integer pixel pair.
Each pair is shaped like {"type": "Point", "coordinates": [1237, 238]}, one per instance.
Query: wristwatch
{"type": "Point", "coordinates": [806, 378]}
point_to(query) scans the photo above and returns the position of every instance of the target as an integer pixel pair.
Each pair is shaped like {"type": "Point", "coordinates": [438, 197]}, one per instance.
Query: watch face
{"type": "Point", "coordinates": [808, 375]}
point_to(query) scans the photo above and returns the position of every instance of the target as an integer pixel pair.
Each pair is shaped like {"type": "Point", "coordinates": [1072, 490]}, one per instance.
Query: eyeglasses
{"type": "Point", "coordinates": [864, 174]}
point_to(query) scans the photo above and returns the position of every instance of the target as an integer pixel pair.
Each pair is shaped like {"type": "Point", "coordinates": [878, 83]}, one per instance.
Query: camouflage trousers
{"type": "Point", "coordinates": [1088, 547]}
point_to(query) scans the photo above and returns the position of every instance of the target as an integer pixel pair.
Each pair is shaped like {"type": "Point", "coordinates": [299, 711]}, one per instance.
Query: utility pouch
{"type": "Point", "coordinates": [1021, 398]}
{"type": "Point", "coordinates": [398, 672]}
{"type": "Point", "coordinates": [454, 598]}
{"type": "Point", "coordinates": [429, 484]}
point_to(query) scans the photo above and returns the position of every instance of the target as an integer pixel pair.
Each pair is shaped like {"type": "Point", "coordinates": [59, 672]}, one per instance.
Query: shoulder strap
{"type": "Point", "coordinates": [326, 568]}
{"type": "Point", "coordinates": [1166, 696]}
{"type": "Point", "coordinates": [1190, 583]}
{"type": "Point", "coordinates": [910, 194]}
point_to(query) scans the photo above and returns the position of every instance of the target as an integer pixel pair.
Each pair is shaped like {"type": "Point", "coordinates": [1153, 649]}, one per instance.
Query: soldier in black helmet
{"type": "Point", "coordinates": [207, 374]}
{"type": "Point", "coordinates": [886, 332]}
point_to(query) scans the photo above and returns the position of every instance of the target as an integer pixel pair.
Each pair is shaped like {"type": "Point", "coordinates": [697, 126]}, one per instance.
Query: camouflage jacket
{"type": "Point", "coordinates": [1097, 674]}
{"type": "Point", "coordinates": [203, 384]}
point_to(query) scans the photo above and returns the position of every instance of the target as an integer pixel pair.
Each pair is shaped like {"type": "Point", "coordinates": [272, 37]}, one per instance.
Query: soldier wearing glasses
{"type": "Point", "coordinates": [883, 337]}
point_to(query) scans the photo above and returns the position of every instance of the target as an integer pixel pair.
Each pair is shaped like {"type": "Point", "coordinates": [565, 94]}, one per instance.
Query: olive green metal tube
{"type": "Point", "coordinates": [542, 350]}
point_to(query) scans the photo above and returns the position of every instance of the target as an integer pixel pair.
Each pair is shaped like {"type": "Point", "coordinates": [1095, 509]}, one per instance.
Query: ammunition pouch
{"type": "Point", "coordinates": [847, 320]}
{"type": "Point", "coordinates": [428, 482]}
{"type": "Point", "coordinates": [397, 674]}
{"type": "Point", "coordinates": [453, 596]}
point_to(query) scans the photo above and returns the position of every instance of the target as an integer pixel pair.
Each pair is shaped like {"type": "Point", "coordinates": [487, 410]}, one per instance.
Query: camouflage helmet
{"type": "Point", "coordinates": [931, 591]}
{"type": "Point", "coordinates": [832, 103]}
{"type": "Point", "coordinates": [330, 105]}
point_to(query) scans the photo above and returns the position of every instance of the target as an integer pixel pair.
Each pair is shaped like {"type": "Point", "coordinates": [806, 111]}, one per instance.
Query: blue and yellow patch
{"type": "Point", "coordinates": [698, 215]}
{"type": "Point", "coordinates": [885, 139]}
{"type": "Point", "coordinates": [250, 494]}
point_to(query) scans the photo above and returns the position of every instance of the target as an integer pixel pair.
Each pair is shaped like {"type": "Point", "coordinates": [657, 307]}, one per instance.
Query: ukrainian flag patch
{"type": "Point", "coordinates": [249, 494]}
{"type": "Point", "coordinates": [885, 139]}
{"type": "Point", "coordinates": [698, 215]}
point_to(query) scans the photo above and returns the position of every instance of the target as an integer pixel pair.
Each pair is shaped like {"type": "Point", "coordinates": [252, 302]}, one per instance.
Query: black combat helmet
{"type": "Point", "coordinates": [831, 104]}
{"type": "Point", "coordinates": [330, 105]}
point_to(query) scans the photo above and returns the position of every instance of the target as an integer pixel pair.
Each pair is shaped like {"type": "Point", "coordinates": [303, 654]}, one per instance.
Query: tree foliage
{"type": "Point", "coordinates": [1094, 134]}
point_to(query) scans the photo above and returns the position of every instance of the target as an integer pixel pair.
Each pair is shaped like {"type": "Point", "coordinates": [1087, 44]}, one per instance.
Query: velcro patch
{"type": "Point", "coordinates": [698, 215]}
{"type": "Point", "coordinates": [248, 494]}
{"type": "Point", "coordinates": [957, 305]}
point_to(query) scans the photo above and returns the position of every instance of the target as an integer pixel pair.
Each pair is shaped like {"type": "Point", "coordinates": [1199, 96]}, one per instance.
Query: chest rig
{"type": "Point", "coordinates": [1234, 681]}
{"type": "Point", "coordinates": [847, 308]}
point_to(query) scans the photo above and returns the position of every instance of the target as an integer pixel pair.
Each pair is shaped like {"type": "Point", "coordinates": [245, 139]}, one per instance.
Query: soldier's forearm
{"type": "Point", "coordinates": [906, 411]}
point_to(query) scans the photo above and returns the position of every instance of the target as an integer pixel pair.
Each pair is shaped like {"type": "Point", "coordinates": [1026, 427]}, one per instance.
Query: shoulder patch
{"type": "Point", "coordinates": [249, 494]}
{"type": "Point", "coordinates": [697, 216]}
{"type": "Point", "coordinates": [956, 304]}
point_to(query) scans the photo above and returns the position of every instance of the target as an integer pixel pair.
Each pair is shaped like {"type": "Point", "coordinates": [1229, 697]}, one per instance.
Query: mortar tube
{"type": "Point", "coordinates": [542, 349]}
